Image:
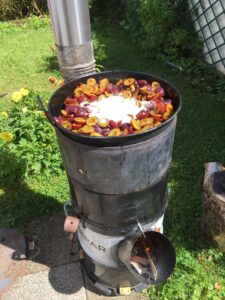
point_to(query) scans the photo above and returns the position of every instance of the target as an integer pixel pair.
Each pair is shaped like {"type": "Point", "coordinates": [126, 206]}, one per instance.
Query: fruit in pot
{"type": "Point", "coordinates": [136, 124]}
{"type": "Point", "coordinates": [92, 121]}
{"type": "Point", "coordinates": [142, 114]}
{"type": "Point", "coordinates": [91, 81]}
{"type": "Point", "coordinates": [113, 124]}
{"type": "Point", "coordinates": [80, 120]}
{"type": "Point", "coordinates": [115, 132]}
{"type": "Point", "coordinates": [129, 81]}
{"type": "Point", "coordinates": [98, 129]}
{"type": "Point", "coordinates": [86, 129]}
{"type": "Point", "coordinates": [67, 125]}
{"type": "Point", "coordinates": [95, 134]}
{"type": "Point", "coordinates": [103, 124]}
{"type": "Point", "coordinates": [147, 121]}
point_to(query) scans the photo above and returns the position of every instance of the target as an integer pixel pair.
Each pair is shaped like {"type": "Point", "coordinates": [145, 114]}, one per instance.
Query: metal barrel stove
{"type": "Point", "coordinates": [119, 192]}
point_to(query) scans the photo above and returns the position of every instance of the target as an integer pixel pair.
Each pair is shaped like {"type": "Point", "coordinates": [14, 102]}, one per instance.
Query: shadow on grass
{"type": "Point", "coordinates": [19, 204]}
{"type": "Point", "coordinates": [50, 63]}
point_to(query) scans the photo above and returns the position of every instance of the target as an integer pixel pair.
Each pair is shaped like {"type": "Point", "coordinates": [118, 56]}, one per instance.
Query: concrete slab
{"type": "Point", "coordinates": [12, 255]}
{"type": "Point", "coordinates": [61, 283]}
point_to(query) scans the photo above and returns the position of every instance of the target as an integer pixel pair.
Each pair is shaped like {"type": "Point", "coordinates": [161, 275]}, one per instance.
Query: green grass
{"type": "Point", "coordinates": [24, 60]}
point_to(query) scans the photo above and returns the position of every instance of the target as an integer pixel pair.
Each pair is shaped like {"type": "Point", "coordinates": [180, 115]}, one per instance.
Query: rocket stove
{"type": "Point", "coordinates": [119, 195]}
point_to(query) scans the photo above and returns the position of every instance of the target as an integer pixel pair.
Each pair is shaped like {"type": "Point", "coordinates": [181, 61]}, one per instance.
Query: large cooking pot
{"type": "Point", "coordinates": [58, 98]}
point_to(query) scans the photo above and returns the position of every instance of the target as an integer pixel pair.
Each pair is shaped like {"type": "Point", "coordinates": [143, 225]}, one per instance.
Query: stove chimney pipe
{"type": "Point", "coordinates": [72, 29]}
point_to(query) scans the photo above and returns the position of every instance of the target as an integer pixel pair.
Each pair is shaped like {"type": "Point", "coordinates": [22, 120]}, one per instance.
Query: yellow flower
{"type": "Point", "coordinates": [24, 109]}
{"type": "Point", "coordinates": [4, 114]}
{"type": "Point", "coordinates": [16, 96]}
{"type": "Point", "coordinates": [6, 136]}
{"type": "Point", "coordinates": [24, 91]}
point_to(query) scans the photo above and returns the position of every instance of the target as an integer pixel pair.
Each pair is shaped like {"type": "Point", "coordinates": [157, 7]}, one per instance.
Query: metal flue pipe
{"type": "Point", "coordinates": [72, 30]}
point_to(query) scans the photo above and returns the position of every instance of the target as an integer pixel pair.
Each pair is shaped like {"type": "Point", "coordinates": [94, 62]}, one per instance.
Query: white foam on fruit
{"type": "Point", "coordinates": [115, 108]}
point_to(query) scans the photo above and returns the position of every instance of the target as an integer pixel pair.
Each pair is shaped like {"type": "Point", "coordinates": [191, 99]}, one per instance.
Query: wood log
{"type": "Point", "coordinates": [213, 217]}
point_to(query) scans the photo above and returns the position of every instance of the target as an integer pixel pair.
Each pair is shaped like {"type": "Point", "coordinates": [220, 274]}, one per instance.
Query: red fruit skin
{"type": "Point", "coordinates": [92, 98]}
{"type": "Point", "coordinates": [58, 120]}
{"type": "Point", "coordinates": [142, 82]}
{"type": "Point", "coordinates": [98, 129]}
{"type": "Point", "coordinates": [124, 126]}
{"type": "Point", "coordinates": [130, 129]}
{"type": "Point", "coordinates": [113, 124]}
{"type": "Point", "coordinates": [119, 123]}
{"type": "Point", "coordinates": [162, 107]}
{"type": "Point", "coordinates": [110, 88]}
{"type": "Point", "coordinates": [125, 131]}
{"type": "Point", "coordinates": [160, 91]}
{"type": "Point", "coordinates": [82, 99]}
{"type": "Point", "coordinates": [106, 131]}
{"type": "Point", "coordinates": [115, 90]}
{"type": "Point", "coordinates": [143, 114]}
{"type": "Point", "coordinates": [76, 126]}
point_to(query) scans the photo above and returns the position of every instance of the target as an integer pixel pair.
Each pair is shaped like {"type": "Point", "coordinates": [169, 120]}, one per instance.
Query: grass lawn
{"type": "Point", "coordinates": [26, 60]}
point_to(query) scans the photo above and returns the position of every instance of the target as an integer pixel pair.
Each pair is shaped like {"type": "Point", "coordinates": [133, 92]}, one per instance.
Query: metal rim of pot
{"type": "Point", "coordinates": [59, 96]}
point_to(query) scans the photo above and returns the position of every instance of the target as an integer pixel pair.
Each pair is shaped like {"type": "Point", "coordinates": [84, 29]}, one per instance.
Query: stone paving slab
{"type": "Point", "coordinates": [62, 282]}
{"type": "Point", "coordinates": [12, 255]}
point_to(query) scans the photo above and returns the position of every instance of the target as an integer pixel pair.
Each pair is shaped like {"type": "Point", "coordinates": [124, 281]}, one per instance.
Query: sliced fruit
{"type": "Point", "coordinates": [143, 114]}
{"type": "Point", "coordinates": [102, 96]}
{"type": "Point", "coordinates": [157, 124]}
{"type": "Point", "coordinates": [95, 134]}
{"type": "Point", "coordinates": [125, 131]}
{"type": "Point", "coordinates": [96, 89]}
{"type": "Point", "coordinates": [132, 88]}
{"type": "Point", "coordinates": [150, 95]}
{"type": "Point", "coordinates": [80, 120]}
{"type": "Point", "coordinates": [166, 116]}
{"type": "Point", "coordinates": [87, 129]}
{"type": "Point", "coordinates": [138, 103]}
{"type": "Point", "coordinates": [103, 124]}
{"type": "Point", "coordinates": [104, 82]}
{"type": "Point", "coordinates": [108, 94]}
{"type": "Point", "coordinates": [169, 107]}
{"type": "Point", "coordinates": [63, 112]}
{"type": "Point", "coordinates": [142, 82]}
{"type": "Point", "coordinates": [115, 132]}
{"type": "Point", "coordinates": [147, 127]}
{"type": "Point", "coordinates": [87, 89]}
{"type": "Point", "coordinates": [147, 121]}
{"type": "Point", "coordinates": [129, 81]}
{"type": "Point", "coordinates": [67, 125]}
{"type": "Point", "coordinates": [126, 94]}
{"type": "Point", "coordinates": [78, 92]}
{"type": "Point", "coordinates": [76, 126]}
{"type": "Point", "coordinates": [92, 121]}
{"type": "Point", "coordinates": [155, 85]}
{"type": "Point", "coordinates": [136, 124]}
{"type": "Point", "coordinates": [161, 107]}
{"type": "Point", "coordinates": [75, 130]}
{"type": "Point", "coordinates": [113, 124]}
{"type": "Point", "coordinates": [91, 81]}
{"type": "Point", "coordinates": [156, 117]}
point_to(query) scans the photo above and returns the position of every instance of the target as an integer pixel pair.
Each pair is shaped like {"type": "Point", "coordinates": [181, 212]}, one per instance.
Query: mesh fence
{"type": "Point", "coordinates": [209, 21]}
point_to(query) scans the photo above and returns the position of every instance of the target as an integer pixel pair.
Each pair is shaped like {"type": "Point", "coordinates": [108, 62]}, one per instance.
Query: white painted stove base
{"type": "Point", "coordinates": [103, 248]}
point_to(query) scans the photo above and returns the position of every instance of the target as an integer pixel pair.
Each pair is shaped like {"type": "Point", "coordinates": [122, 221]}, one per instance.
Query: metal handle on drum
{"type": "Point", "coordinates": [50, 118]}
